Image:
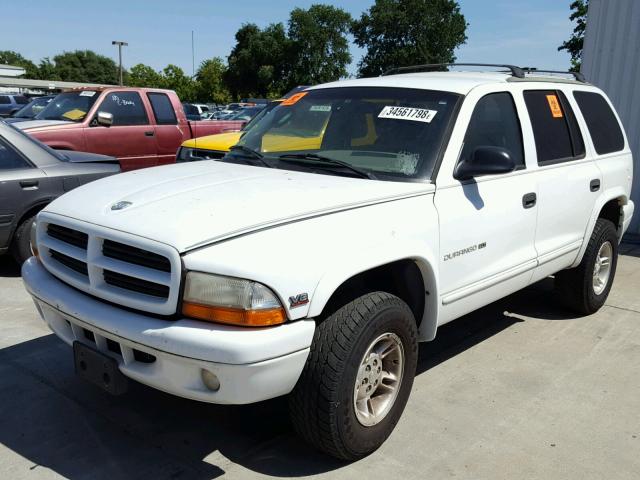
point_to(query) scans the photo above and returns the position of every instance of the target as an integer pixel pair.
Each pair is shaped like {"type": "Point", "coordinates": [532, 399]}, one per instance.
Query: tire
{"type": "Point", "coordinates": [576, 286]}
{"type": "Point", "coordinates": [322, 404]}
{"type": "Point", "coordinates": [21, 244]}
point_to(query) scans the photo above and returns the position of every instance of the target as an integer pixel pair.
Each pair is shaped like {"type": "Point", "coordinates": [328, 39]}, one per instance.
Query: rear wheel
{"type": "Point", "coordinates": [21, 244]}
{"type": "Point", "coordinates": [358, 376]}
{"type": "Point", "coordinates": [586, 287]}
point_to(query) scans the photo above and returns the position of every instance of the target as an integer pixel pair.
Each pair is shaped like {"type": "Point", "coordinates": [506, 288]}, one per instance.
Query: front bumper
{"type": "Point", "coordinates": [251, 364]}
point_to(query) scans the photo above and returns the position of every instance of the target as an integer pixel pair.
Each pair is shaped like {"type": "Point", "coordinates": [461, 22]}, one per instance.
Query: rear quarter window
{"type": "Point", "coordinates": [603, 126]}
{"type": "Point", "coordinates": [4, 99]}
{"type": "Point", "coordinates": [22, 100]}
{"type": "Point", "coordinates": [555, 129]}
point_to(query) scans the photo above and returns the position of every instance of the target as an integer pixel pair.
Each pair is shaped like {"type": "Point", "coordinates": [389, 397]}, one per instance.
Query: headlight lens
{"type": "Point", "coordinates": [230, 300]}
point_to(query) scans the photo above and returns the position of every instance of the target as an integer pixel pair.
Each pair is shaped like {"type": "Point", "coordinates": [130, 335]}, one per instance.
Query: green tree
{"type": "Point", "coordinates": [173, 78]}
{"type": "Point", "coordinates": [47, 70]}
{"type": "Point", "coordinates": [319, 45]}
{"type": "Point", "coordinates": [258, 63]}
{"type": "Point", "coordinates": [400, 33]}
{"type": "Point", "coordinates": [574, 45]}
{"type": "Point", "coordinates": [9, 57]}
{"type": "Point", "coordinates": [86, 66]}
{"type": "Point", "coordinates": [210, 78]}
{"type": "Point", "coordinates": [142, 75]}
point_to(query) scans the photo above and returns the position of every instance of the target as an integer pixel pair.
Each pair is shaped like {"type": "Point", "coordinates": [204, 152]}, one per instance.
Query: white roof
{"type": "Point", "coordinates": [458, 82]}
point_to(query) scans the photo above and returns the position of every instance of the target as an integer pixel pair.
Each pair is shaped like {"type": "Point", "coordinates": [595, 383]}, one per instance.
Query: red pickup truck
{"type": "Point", "coordinates": [142, 127]}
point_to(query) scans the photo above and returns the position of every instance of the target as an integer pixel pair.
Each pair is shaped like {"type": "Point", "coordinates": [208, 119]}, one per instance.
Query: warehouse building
{"type": "Point", "coordinates": [611, 60]}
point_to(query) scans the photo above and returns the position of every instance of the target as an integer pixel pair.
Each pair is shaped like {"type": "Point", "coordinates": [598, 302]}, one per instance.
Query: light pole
{"type": "Point", "coordinates": [120, 45]}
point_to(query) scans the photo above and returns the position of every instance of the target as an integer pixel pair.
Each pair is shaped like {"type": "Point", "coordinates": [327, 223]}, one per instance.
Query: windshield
{"type": "Point", "coordinates": [33, 108]}
{"type": "Point", "coordinates": [392, 133]}
{"type": "Point", "coordinates": [270, 106]}
{"type": "Point", "coordinates": [71, 106]}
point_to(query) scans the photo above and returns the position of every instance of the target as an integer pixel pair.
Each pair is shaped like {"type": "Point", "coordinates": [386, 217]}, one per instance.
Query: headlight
{"type": "Point", "coordinates": [230, 300]}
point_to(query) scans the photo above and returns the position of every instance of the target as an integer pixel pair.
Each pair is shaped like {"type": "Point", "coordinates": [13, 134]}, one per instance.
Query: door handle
{"type": "Point", "coordinates": [529, 200]}
{"type": "Point", "coordinates": [29, 183]}
{"type": "Point", "coordinates": [594, 185]}
{"type": "Point", "coordinates": [149, 134]}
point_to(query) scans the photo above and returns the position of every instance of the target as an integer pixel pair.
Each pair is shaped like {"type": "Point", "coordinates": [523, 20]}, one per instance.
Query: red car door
{"type": "Point", "coordinates": [131, 137]}
{"type": "Point", "coordinates": [169, 132]}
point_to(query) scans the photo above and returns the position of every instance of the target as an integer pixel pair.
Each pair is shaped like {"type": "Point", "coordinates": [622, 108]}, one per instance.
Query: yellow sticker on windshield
{"type": "Point", "coordinates": [75, 114]}
{"type": "Point", "coordinates": [554, 106]}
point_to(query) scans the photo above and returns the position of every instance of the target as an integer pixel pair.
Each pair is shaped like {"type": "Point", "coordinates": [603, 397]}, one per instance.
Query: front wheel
{"type": "Point", "coordinates": [358, 376]}
{"type": "Point", "coordinates": [21, 244]}
{"type": "Point", "coordinates": [586, 287]}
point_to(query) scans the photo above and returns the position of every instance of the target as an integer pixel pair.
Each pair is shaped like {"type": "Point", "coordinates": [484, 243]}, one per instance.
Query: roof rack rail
{"type": "Point", "coordinates": [577, 75]}
{"type": "Point", "coordinates": [515, 71]}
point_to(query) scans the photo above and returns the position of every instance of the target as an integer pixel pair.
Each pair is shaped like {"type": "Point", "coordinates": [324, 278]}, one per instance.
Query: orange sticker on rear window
{"type": "Point", "coordinates": [554, 106]}
{"type": "Point", "coordinates": [293, 98]}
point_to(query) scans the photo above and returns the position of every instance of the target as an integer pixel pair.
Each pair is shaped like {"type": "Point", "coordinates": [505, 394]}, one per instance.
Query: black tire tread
{"type": "Point", "coordinates": [20, 245]}
{"type": "Point", "coordinates": [315, 389]}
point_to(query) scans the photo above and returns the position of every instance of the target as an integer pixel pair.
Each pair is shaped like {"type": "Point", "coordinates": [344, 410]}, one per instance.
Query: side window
{"type": "Point", "coordinates": [9, 158]}
{"type": "Point", "coordinates": [162, 109]}
{"type": "Point", "coordinates": [4, 99]}
{"type": "Point", "coordinates": [495, 123]}
{"type": "Point", "coordinates": [126, 107]}
{"type": "Point", "coordinates": [555, 129]}
{"type": "Point", "coordinates": [602, 123]}
{"type": "Point", "coordinates": [21, 100]}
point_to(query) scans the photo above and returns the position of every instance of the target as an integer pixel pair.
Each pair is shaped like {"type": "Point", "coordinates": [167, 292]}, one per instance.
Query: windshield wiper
{"type": "Point", "coordinates": [288, 157]}
{"type": "Point", "coordinates": [250, 152]}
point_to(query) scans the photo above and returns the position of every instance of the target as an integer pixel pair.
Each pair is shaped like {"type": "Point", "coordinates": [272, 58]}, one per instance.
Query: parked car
{"type": "Point", "coordinates": [11, 103]}
{"type": "Point", "coordinates": [30, 110]}
{"type": "Point", "coordinates": [316, 272]}
{"type": "Point", "coordinates": [142, 127]}
{"type": "Point", "coordinates": [191, 112]}
{"type": "Point", "coordinates": [31, 175]}
{"type": "Point", "coordinates": [216, 146]}
{"type": "Point", "coordinates": [201, 108]}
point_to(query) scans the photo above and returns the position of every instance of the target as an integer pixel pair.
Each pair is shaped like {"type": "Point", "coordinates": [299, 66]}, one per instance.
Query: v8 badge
{"type": "Point", "coordinates": [298, 300]}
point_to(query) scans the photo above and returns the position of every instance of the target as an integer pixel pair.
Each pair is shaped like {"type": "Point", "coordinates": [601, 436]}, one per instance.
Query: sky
{"type": "Point", "coordinates": [525, 33]}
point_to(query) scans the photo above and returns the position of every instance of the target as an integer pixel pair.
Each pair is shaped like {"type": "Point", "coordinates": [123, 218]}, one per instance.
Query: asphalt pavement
{"type": "Point", "coordinates": [521, 389]}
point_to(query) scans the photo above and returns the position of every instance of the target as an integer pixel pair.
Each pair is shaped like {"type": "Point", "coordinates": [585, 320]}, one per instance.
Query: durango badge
{"type": "Point", "coordinates": [298, 300]}
{"type": "Point", "coordinates": [120, 205]}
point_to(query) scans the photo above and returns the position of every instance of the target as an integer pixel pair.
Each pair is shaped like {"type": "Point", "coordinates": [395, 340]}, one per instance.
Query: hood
{"type": "Point", "coordinates": [29, 124]}
{"type": "Point", "coordinates": [221, 141]}
{"type": "Point", "coordinates": [192, 204]}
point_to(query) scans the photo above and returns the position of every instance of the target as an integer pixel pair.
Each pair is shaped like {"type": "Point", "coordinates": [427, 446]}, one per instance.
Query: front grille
{"type": "Point", "coordinates": [135, 284]}
{"type": "Point", "coordinates": [135, 255]}
{"type": "Point", "coordinates": [69, 262]}
{"type": "Point", "coordinates": [67, 235]}
{"type": "Point", "coordinates": [114, 266]}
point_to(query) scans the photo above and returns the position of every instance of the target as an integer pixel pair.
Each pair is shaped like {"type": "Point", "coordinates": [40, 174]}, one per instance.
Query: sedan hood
{"type": "Point", "coordinates": [194, 204]}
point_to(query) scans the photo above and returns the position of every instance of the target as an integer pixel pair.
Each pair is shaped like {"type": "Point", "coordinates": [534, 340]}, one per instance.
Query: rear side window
{"type": "Point", "coordinates": [162, 109]}
{"type": "Point", "coordinates": [4, 99]}
{"type": "Point", "coordinates": [601, 121]}
{"type": "Point", "coordinates": [9, 158]}
{"type": "Point", "coordinates": [555, 129]}
{"type": "Point", "coordinates": [21, 100]}
{"type": "Point", "coordinates": [495, 123]}
{"type": "Point", "coordinates": [126, 107]}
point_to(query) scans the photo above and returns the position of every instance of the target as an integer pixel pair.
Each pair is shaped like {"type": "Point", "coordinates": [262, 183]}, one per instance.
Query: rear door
{"type": "Point", "coordinates": [131, 137]}
{"type": "Point", "coordinates": [169, 134]}
{"type": "Point", "coordinates": [567, 180]}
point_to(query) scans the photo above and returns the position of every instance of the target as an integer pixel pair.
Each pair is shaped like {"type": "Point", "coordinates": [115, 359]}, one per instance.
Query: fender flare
{"type": "Point", "coordinates": [340, 271]}
{"type": "Point", "coordinates": [616, 193]}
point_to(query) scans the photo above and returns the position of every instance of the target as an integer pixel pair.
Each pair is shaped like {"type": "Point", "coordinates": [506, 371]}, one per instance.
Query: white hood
{"type": "Point", "coordinates": [39, 123]}
{"type": "Point", "coordinates": [193, 204]}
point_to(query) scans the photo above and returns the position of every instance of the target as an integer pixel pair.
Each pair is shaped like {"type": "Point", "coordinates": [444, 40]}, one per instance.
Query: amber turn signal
{"type": "Point", "coordinates": [235, 316]}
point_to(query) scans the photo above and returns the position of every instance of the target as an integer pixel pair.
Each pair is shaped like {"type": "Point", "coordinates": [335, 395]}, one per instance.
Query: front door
{"type": "Point", "coordinates": [131, 137]}
{"type": "Point", "coordinates": [487, 224]}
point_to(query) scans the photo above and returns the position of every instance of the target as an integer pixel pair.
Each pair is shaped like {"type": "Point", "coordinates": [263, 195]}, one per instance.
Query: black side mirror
{"type": "Point", "coordinates": [485, 160]}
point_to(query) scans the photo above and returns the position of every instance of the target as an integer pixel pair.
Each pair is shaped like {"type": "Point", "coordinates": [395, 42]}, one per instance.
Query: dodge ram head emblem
{"type": "Point", "coordinates": [298, 300]}
{"type": "Point", "coordinates": [120, 205]}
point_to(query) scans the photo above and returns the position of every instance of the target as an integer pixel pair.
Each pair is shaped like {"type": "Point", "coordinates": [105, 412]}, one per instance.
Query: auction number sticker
{"type": "Point", "coordinates": [408, 113]}
{"type": "Point", "coordinates": [87, 93]}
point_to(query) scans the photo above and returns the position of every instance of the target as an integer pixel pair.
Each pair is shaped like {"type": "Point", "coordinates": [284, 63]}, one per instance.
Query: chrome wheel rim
{"type": "Point", "coordinates": [379, 379]}
{"type": "Point", "coordinates": [602, 268]}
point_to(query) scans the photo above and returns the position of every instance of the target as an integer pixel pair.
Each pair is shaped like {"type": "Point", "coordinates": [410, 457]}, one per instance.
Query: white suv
{"type": "Point", "coordinates": [346, 226]}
